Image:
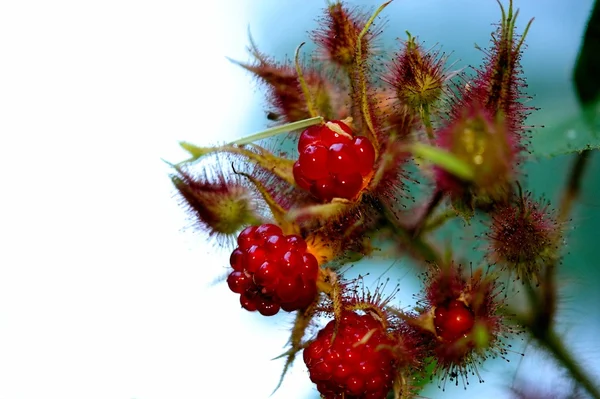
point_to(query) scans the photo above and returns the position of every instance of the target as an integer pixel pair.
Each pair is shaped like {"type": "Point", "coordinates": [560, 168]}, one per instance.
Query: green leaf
{"type": "Point", "coordinates": [580, 131]}
{"type": "Point", "coordinates": [587, 69]}
{"type": "Point", "coordinates": [567, 135]}
{"type": "Point", "coordinates": [444, 159]}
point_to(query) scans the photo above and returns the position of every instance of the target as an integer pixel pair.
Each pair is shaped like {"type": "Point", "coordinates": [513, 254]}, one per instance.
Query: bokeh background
{"type": "Point", "coordinates": [106, 291]}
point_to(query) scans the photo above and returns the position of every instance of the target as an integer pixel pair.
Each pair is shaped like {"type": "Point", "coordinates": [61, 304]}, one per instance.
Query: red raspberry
{"type": "Point", "coordinates": [453, 321]}
{"type": "Point", "coordinates": [357, 364]}
{"type": "Point", "coordinates": [333, 162]}
{"type": "Point", "coordinates": [272, 271]}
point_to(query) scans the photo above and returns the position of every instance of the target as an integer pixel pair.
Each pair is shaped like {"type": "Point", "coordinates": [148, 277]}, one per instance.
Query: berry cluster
{"type": "Point", "coordinates": [272, 271]}
{"type": "Point", "coordinates": [358, 361]}
{"type": "Point", "coordinates": [333, 162]}
{"type": "Point", "coordinates": [346, 190]}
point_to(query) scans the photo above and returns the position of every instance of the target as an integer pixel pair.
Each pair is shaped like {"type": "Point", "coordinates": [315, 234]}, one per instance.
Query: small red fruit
{"type": "Point", "coordinates": [333, 162]}
{"type": "Point", "coordinates": [453, 321]}
{"type": "Point", "coordinates": [357, 363]}
{"type": "Point", "coordinates": [272, 271]}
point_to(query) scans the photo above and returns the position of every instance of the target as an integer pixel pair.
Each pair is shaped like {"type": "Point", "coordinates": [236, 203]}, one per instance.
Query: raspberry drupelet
{"type": "Point", "coordinates": [333, 162]}
{"type": "Point", "coordinates": [453, 321]}
{"type": "Point", "coordinates": [356, 363]}
{"type": "Point", "coordinates": [272, 271]}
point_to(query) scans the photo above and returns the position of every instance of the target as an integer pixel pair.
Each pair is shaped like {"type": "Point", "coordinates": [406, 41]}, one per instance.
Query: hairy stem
{"type": "Point", "coordinates": [553, 343]}
{"type": "Point", "coordinates": [573, 185]}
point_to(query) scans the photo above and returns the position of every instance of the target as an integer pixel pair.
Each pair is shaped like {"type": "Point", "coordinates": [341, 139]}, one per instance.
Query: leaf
{"type": "Point", "coordinates": [567, 135]}
{"type": "Point", "coordinates": [587, 69]}
{"type": "Point", "coordinates": [580, 131]}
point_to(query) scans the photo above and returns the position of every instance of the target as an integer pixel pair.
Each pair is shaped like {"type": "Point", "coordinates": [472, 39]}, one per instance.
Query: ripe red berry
{"type": "Point", "coordinates": [272, 271]}
{"type": "Point", "coordinates": [453, 321]}
{"type": "Point", "coordinates": [357, 363]}
{"type": "Point", "coordinates": [313, 161]}
{"type": "Point", "coordinates": [333, 162]}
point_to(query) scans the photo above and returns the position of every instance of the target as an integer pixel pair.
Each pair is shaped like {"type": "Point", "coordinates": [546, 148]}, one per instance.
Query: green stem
{"type": "Point", "coordinates": [436, 199]}
{"type": "Point", "coordinates": [438, 220]}
{"type": "Point", "coordinates": [418, 245]}
{"type": "Point", "coordinates": [274, 131]}
{"type": "Point", "coordinates": [426, 118]}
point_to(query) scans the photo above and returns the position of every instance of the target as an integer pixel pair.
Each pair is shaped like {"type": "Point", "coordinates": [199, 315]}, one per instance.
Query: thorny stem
{"type": "Point", "coordinates": [364, 106]}
{"type": "Point", "coordinates": [438, 220]}
{"type": "Point", "coordinates": [553, 343]}
{"type": "Point", "coordinates": [426, 251]}
{"type": "Point", "coordinates": [542, 302]}
{"type": "Point", "coordinates": [573, 185]}
{"type": "Point", "coordinates": [426, 118]}
{"type": "Point", "coordinates": [431, 207]}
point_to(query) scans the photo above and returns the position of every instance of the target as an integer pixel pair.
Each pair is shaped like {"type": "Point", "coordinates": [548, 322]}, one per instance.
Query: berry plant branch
{"type": "Point", "coordinates": [540, 322]}
{"type": "Point", "coordinates": [295, 219]}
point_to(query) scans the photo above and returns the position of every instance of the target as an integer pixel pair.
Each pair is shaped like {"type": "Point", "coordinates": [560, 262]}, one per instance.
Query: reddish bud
{"type": "Point", "coordinates": [524, 236]}
{"type": "Point", "coordinates": [498, 84]}
{"type": "Point", "coordinates": [285, 94]}
{"type": "Point", "coordinates": [417, 76]}
{"type": "Point", "coordinates": [222, 205]}
{"type": "Point", "coordinates": [338, 36]}
{"type": "Point", "coordinates": [482, 142]}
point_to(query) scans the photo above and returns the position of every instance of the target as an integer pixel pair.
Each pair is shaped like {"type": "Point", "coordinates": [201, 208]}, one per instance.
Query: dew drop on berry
{"type": "Point", "coordinates": [246, 238]}
{"type": "Point", "coordinates": [238, 282]}
{"type": "Point", "coordinates": [255, 257]}
{"type": "Point", "coordinates": [324, 189]}
{"type": "Point", "coordinates": [299, 177]}
{"type": "Point", "coordinates": [342, 158]}
{"type": "Point", "coordinates": [310, 136]}
{"type": "Point", "coordinates": [365, 153]}
{"type": "Point", "coordinates": [314, 162]}
{"type": "Point", "coordinates": [348, 186]}
{"type": "Point", "coordinates": [236, 260]}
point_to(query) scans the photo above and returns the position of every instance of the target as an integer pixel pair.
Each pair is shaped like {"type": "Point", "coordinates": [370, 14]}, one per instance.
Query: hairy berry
{"type": "Point", "coordinates": [356, 363]}
{"type": "Point", "coordinates": [333, 162]}
{"type": "Point", "coordinates": [453, 321]}
{"type": "Point", "coordinates": [272, 271]}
